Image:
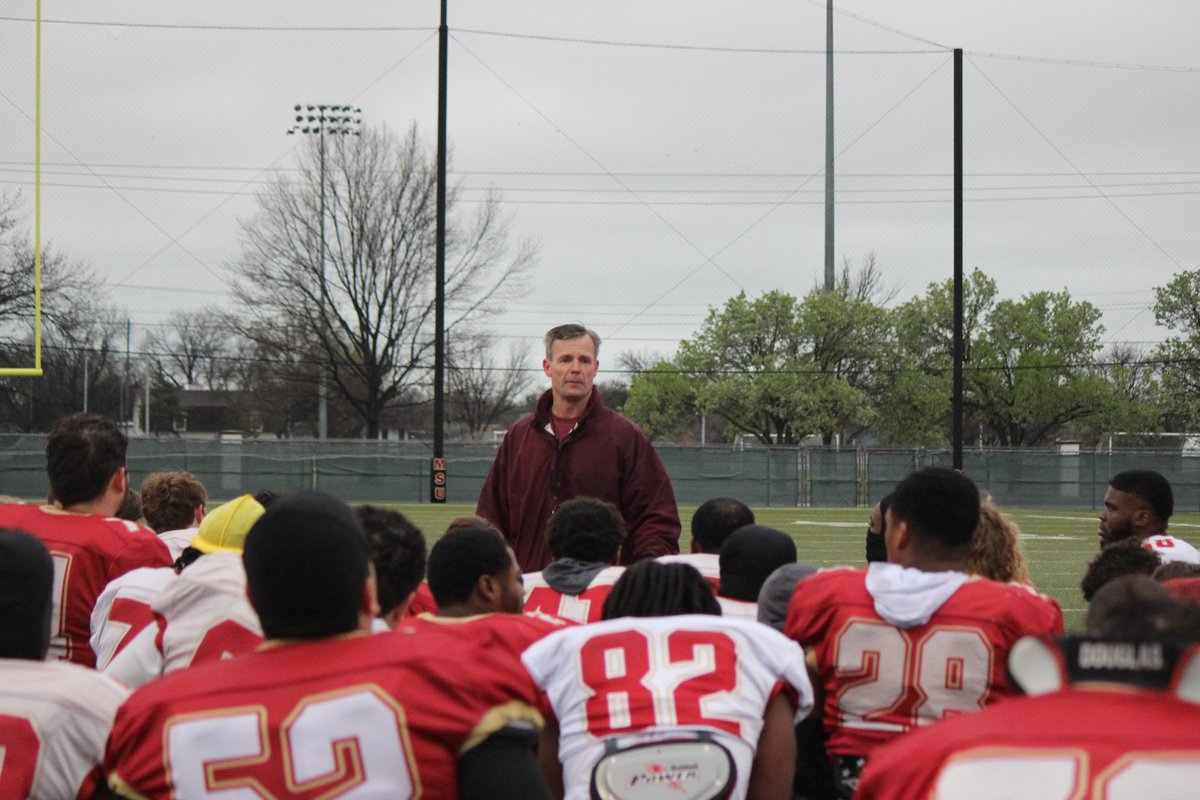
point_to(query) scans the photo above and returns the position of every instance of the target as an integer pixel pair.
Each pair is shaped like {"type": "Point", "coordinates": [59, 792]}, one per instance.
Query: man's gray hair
{"type": "Point", "coordinates": [571, 330]}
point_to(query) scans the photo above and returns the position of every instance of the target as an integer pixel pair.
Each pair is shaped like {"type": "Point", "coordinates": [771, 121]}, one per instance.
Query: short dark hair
{"type": "Point", "coordinates": [586, 529]}
{"type": "Point", "coordinates": [398, 552]}
{"type": "Point", "coordinates": [1172, 570]}
{"type": "Point", "coordinates": [131, 506]}
{"type": "Point", "coordinates": [1135, 606]}
{"type": "Point", "coordinates": [306, 559]}
{"type": "Point", "coordinates": [83, 452]}
{"type": "Point", "coordinates": [715, 519]}
{"type": "Point", "coordinates": [940, 507]}
{"type": "Point", "coordinates": [1126, 557]}
{"type": "Point", "coordinates": [170, 500]}
{"type": "Point", "coordinates": [572, 330]}
{"type": "Point", "coordinates": [657, 589]}
{"type": "Point", "coordinates": [1150, 487]}
{"type": "Point", "coordinates": [460, 558]}
{"type": "Point", "coordinates": [26, 584]}
{"type": "Point", "coordinates": [749, 556]}
{"type": "Point", "coordinates": [266, 497]}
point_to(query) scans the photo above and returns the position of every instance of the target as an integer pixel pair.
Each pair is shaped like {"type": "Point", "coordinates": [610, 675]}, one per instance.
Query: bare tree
{"type": "Point", "coordinates": [366, 309]}
{"type": "Point", "coordinates": [80, 333]}
{"type": "Point", "coordinates": [482, 387]}
{"type": "Point", "coordinates": [194, 350]}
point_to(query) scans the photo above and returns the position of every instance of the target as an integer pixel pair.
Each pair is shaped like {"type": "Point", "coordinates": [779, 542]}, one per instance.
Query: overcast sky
{"type": "Point", "coordinates": [665, 154]}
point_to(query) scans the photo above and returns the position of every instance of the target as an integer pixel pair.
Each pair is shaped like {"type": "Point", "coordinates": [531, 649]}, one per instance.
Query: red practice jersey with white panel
{"type": "Point", "coordinates": [583, 607]}
{"type": "Point", "coordinates": [883, 676]}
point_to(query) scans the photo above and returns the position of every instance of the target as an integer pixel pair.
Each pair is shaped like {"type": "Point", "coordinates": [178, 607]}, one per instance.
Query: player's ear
{"type": "Point", "coordinates": [119, 483]}
{"type": "Point", "coordinates": [488, 591]}
{"type": "Point", "coordinates": [368, 601]}
{"type": "Point", "coordinates": [898, 539]}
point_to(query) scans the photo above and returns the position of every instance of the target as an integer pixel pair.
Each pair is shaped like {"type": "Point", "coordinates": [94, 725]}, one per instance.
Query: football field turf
{"type": "Point", "coordinates": [1058, 544]}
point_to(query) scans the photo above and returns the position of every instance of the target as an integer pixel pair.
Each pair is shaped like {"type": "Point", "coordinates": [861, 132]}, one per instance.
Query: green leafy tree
{"type": "Point", "coordinates": [1177, 308]}
{"type": "Point", "coordinates": [1032, 371]}
{"type": "Point", "coordinates": [916, 404]}
{"type": "Point", "coordinates": [773, 367]}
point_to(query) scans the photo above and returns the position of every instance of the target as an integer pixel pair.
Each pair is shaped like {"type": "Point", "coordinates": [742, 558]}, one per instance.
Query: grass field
{"type": "Point", "coordinates": [1058, 544]}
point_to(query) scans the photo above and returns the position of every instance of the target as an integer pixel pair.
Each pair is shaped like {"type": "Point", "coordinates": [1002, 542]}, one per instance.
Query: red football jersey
{"type": "Point", "coordinates": [584, 607]}
{"type": "Point", "coordinates": [881, 680]}
{"type": "Point", "coordinates": [422, 602]}
{"type": "Point", "coordinates": [386, 715]}
{"type": "Point", "coordinates": [88, 552]}
{"type": "Point", "coordinates": [1075, 743]}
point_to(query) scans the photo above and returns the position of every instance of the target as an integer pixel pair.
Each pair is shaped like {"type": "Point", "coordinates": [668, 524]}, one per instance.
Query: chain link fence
{"type": "Point", "coordinates": [398, 472]}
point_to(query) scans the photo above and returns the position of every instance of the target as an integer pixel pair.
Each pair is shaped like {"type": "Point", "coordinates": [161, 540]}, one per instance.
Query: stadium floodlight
{"type": "Point", "coordinates": [331, 124]}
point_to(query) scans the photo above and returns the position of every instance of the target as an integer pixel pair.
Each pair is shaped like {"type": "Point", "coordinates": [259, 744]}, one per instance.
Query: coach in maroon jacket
{"type": "Point", "coordinates": [572, 446]}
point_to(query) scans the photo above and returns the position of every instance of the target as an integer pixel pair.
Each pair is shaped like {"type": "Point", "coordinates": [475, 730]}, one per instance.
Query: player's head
{"type": "Point", "coordinates": [266, 497]}
{"type": "Point", "coordinates": [473, 571]}
{"type": "Point", "coordinates": [749, 556]}
{"type": "Point", "coordinates": [655, 589]}
{"type": "Point", "coordinates": [996, 547]}
{"type": "Point", "coordinates": [472, 521]}
{"type": "Point", "coordinates": [172, 501]}
{"type": "Point", "coordinates": [225, 528]}
{"type": "Point", "coordinates": [26, 582]}
{"type": "Point", "coordinates": [776, 593]}
{"type": "Point", "coordinates": [1138, 503]}
{"type": "Point", "coordinates": [398, 553]}
{"type": "Point", "coordinates": [131, 507]}
{"type": "Point", "coordinates": [308, 569]}
{"type": "Point", "coordinates": [572, 330]}
{"type": "Point", "coordinates": [1126, 557]}
{"type": "Point", "coordinates": [1136, 606]}
{"type": "Point", "coordinates": [1172, 570]}
{"type": "Point", "coordinates": [715, 519]}
{"type": "Point", "coordinates": [85, 461]}
{"type": "Point", "coordinates": [586, 529]}
{"type": "Point", "coordinates": [932, 517]}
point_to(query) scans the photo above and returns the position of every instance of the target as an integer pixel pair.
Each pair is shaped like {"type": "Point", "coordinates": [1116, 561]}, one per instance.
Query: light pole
{"type": "Point", "coordinates": [318, 120]}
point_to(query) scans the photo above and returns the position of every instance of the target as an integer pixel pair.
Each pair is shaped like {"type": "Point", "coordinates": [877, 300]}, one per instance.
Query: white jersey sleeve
{"type": "Point", "coordinates": [1170, 548]}
{"type": "Point", "coordinates": [122, 612]}
{"type": "Point", "coordinates": [732, 608]}
{"type": "Point", "coordinates": [641, 677]}
{"type": "Point", "coordinates": [708, 564]}
{"type": "Point", "coordinates": [55, 718]}
{"type": "Point", "coordinates": [205, 613]}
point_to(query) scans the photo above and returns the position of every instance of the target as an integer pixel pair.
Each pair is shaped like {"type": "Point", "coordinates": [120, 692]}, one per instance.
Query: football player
{"type": "Point", "coordinates": [584, 536]}
{"type": "Point", "coordinates": [712, 524]}
{"type": "Point", "coordinates": [173, 504]}
{"type": "Point", "coordinates": [1137, 505]}
{"type": "Point", "coordinates": [200, 615]}
{"type": "Point", "coordinates": [398, 554]}
{"type": "Point", "coordinates": [909, 642]}
{"type": "Point", "coordinates": [325, 708]}
{"type": "Point", "coordinates": [665, 666]}
{"type": "Point", "coordinates": [1111, 714]}
{"type": "Point", "coordinates": [748, 557]}
{"type": "Point", "coordinates": [85, 461]}
{"type": "Point", "coordinates": [54, 717]}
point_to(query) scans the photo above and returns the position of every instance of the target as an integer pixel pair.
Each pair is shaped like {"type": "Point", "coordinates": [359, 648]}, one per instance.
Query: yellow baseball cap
{"type": "Point", "coordinates": [224, 528]}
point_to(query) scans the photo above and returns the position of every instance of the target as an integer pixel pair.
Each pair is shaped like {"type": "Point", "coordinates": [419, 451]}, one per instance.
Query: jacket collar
{"type": "Point", "coordinates": [541, 414]}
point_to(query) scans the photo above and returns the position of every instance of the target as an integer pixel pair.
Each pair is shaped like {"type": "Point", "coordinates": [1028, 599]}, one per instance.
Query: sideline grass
{"type": "Point", "coordinates": [1058, 544]}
